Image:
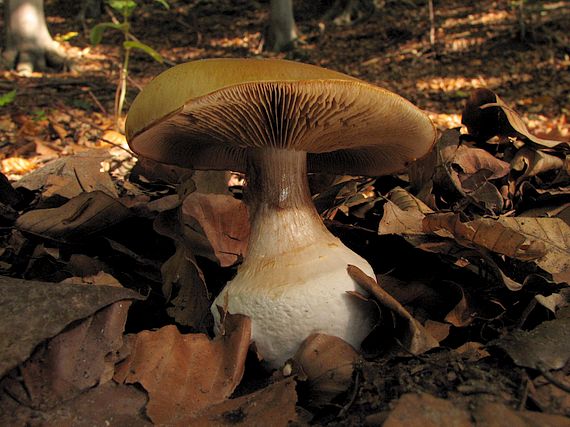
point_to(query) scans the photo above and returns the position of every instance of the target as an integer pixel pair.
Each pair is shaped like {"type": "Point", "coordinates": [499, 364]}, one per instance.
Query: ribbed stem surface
{"type": "Point", "coordinates": [283, 216]}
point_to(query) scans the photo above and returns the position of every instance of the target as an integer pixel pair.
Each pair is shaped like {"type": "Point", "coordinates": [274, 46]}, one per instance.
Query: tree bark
{"type": "Point", "coordinates": [282, 28]}
{"type": "Point", "coordinates": [29, 44]}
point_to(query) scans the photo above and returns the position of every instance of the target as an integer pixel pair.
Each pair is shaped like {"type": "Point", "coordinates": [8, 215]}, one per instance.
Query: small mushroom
{"type": "Point", "coordinates": [276, 120]}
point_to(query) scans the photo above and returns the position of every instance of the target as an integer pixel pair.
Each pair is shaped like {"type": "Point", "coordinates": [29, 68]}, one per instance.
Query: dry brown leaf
{"type": "Point", "coordinates": [545, 241]}
{"type": "Point", "coordinates": [461, 315]}
{"type": "Point", "coordinates": [211, 182]}
{"type": "Point", "coordinates": [505, 236]}
{"type": "Point", "coordinates": [182, 277]}
{"type": "Point", "coordinates": [403, 214]}
{"type": "Point", "coordinates": [407, 202]}
{"type": "Point", "coordinates": [69, 176]}
{"type": "Point", "coordinates": [519, 125]}
{"type": "Point", "coordinates": [82, 217]}
{"type": "Point", "coordinates": [424, 410]}
{"type": "Point", "coordinates": [32, 312]}
{"type": "Point", "coordinates": [486, 115]}
{"type": "Point", "coordinates": [224, 222]}
{"type": "Point", "coordinates": [110, 404]}
{"type": "Point", "coordinates": [327, 363]}
{"type": "Point", "coordinates": [472, 160]}
{"type": "Point", "coordinates": [113, 138]}
{"type": "Point", "coordinates": [498, 414]}
{"type": "Point", "coordinates": [473, 350]}
{"type": "Point", "coordinates": [438, 330]}
{"type": "Point", "coordinates": [77, 359]}
{"type": "Point", "coordinates": [16, 165]}
{"type": "Point", "coordinates": [417, 339]}
{"type": "Point", "coordinates": [398, 221]}
{"type": "Point", "coordinates": [545, 347]}
{"type": "Point", "coordinates": [101, 278]}
{"type": "Point", "coordinates": [530, 162]}
{"type": "Point", "coordinates": [469, 170]}
{"type": "Point", "coordinates": [272, 406]}
{"type": "Point", "coordinates": [186, 373]}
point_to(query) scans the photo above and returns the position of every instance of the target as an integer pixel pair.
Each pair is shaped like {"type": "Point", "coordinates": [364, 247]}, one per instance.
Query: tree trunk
{"type": "Point", "coordinates": [282, 28]}
{"type": "Point", "coordinates": [29, 44]}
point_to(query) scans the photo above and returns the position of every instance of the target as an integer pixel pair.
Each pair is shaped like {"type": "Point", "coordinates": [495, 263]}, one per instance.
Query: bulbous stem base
{"type": "Point", "coordinates": [293, 281]}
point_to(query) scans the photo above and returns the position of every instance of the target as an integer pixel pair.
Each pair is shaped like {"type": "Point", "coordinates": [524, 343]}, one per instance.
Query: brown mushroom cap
{"type": "Point", "coordinates": [207, 114]}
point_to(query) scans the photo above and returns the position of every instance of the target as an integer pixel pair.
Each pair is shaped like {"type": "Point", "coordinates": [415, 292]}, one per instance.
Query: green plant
{"type": "Point", "coordinates": [7, 98]}
{"type": "Point", "coordinates": [126, 9]}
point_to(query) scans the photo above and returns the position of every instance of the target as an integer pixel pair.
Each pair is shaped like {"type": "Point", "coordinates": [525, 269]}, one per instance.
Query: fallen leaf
{"type": "Point", "coordinates": [101, 278]}
{"type": "Point", "coordinates": [70, 176]}
{"type": "Point", "coordinates": [327, 365]}
{"type": "Point", "coordinates": [222, 220]}
{"type": "Point", "coordinates": [272, 406]}
{"type": "Point", "coordinates": [461, 315]}
{"type": "Point", "coordinates": [398, 221]}
{"type": "Point", "coordinates": [555, 301]}
{"type": "Point", "coordinates": [32, 312]}
{"type": "Point", "coordinates": [531, 162]}
{"type": "Point", "coordinates": [551, 233]}
{"type": "Point", "coordinates": [182, 277]}
{"type": "Point", "coordinates": [486, 115]}
{"type": "Point", "coordinates": [498, 414]}
{"type": "Point", "coordinates": [17, 165]}
{"type": "Point", "coordinates": [473, 351]}
{"type": "Point", "coordinates": [124, 406]}
{"type": "Point", "coordinates": [505, 235]}
{"type": "Point", "coordinates": [416, 339]}
{"type": "Point", "coordinates": [78, 358]}
{"type": "Point", "coordinates": [113, 138]}
{"type": "Point", "coordinates": [438, 330]}
{"type": "Point", "coordinates": [186, 373]}
{"type": "Point", "coordinates": [82, 217]}
{"type": "Point", "coordinates": [545, 347]}
{"type": "Point", "coordinates": [211, 182]}
{"type": "Point", "coordinates": [424, 410]}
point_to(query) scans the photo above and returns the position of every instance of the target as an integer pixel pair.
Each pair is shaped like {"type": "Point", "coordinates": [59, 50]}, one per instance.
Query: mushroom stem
{"type": "Point", "coordinates": [294, 279]}
{"type": "Point", "coordinates": [283, 216]}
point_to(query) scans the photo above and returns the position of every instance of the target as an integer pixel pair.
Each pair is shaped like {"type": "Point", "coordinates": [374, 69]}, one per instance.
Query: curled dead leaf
{"type": "Point", "coordinates": [224, 223]}
{"type": "Point", "coordinates": [70, 176]}
{"type": "Point", "coordinates": [486, 115]}
{"type": "Point", "coordinates": [545, 347]}
{"type": "Point", "coordinates": [186, 373]}
{"type": "Point", "coordinates": [416, 340]}
{"type": "Point", "coordinates": [507, 236]}
{"type": "Point", "coordinates": [32, 312]}
{"type": "Point", "coordinates": [77, 359]}
{"type": "Point", "coordinates": [327, 362]}
{"type": "Point", "coordinates": [273, 405]}
{"type": "Point", "coordinates": [530, 162]}
{"type": "Point", "coordinates": [82, 217]}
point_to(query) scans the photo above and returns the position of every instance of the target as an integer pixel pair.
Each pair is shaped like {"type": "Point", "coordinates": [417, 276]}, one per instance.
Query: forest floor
{"type": "Point", "coordinates": [477, 301]}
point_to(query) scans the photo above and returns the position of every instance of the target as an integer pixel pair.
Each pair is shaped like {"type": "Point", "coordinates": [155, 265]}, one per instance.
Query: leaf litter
{"type": "Point", "coordinates": [483, 221]}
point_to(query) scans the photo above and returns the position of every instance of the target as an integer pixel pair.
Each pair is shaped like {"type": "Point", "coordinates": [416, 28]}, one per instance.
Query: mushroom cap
{"type": "Point", "coordinates": [207, 114]}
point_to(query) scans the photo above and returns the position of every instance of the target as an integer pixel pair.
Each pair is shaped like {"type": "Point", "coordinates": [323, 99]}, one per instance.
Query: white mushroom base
{"type": "Point", "coordinates": [300, 293]}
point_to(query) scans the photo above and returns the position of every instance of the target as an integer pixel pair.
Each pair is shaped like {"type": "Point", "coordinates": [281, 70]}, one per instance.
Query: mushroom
{"type": "Point", "coordinates": [276, 120]}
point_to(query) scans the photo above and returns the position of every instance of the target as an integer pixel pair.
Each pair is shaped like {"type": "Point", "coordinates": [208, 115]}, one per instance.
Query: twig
{"type": "Point", "coordinates": [526, 389]}
{"type": "Point", "coordinates": [552, 380]}
{"type": "Point", "coordinates": [346, 407]}
{"type": "Point", "coordinates": [114, 144]}
{"type": "Point", "coordinates": [94, 98]}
